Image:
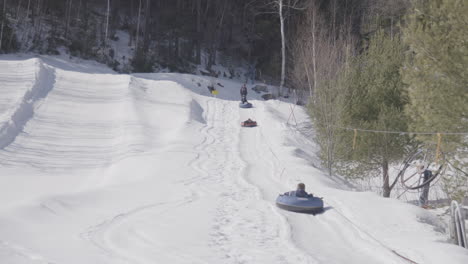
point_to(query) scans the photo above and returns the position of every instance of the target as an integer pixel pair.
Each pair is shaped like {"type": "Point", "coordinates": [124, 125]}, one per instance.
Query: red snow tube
{"type": "Point", "coordinates": [249, 123]}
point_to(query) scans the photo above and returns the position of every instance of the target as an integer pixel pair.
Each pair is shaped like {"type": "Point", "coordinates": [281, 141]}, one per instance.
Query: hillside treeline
{"type": "Point", "coordinates": [176, 34]}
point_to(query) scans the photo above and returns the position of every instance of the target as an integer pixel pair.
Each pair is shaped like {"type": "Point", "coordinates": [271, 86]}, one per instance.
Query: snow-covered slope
{"type": "Point", "coordinates": [97, 167]}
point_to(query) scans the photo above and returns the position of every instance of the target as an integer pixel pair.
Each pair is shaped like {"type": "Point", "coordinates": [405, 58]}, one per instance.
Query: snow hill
{"type": "Point", "coordinates": [98, 167]}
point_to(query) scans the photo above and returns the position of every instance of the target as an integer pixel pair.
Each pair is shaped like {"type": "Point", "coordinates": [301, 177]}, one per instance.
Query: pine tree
{"type": "Point", "coordinates": [377, 99]}
{"type": "Point", "coordinates": [437, 69]}
{"type": "Point", "coordinates": [437, 76]}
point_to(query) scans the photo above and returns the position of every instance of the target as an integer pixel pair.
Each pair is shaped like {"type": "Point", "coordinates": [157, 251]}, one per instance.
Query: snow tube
{"type": "Point", "coordinates": [248, 123]}
{"type": "Point", "coordinates": [245, 105]}
{"type": "Point", "coordinates": [308, 205]}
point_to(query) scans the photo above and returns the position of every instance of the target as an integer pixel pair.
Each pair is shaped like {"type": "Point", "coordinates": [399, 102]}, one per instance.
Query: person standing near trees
{"type": "Point", "coordinates": [243, 92]}
{"type": "Point", "coordinates": [426, 175]}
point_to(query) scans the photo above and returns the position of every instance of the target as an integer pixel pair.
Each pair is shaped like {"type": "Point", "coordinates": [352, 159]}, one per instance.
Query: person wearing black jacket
{"type": "Point", "coordinates": [301, 192]}
{"type": "Point", "coordinates": [243, 92]}
{"type": "Point", "coordinates": [424, 196]}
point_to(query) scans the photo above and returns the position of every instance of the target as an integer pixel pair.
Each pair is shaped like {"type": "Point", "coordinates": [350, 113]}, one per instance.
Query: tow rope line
{"type": "Point", "coordinates": [373, 238]}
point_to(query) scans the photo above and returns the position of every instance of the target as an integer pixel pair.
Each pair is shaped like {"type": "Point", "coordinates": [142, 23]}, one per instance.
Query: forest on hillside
{"type": "Point", "coordinates": [382, 79]}
{"type": "Point", "coordinates": [176, 34]}
{"type": "Point", "coordinates": [167, 33]}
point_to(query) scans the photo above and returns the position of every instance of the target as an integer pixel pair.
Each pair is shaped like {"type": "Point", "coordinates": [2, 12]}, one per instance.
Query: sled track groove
{"type": "Point", "coordinates": [261, 154]}
{"type": "Point", "coordinates": [99, 235]}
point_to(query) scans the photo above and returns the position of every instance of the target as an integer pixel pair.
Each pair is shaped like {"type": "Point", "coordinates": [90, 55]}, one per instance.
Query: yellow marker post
{"type": "Point", "coordinates": [439, 141]}
{"type": "Point", "coordinates": [354, 139]}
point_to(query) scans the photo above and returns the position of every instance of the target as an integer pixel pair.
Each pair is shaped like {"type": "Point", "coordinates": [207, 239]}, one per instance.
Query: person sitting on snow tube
{"type": "Point", "coordinates": [300, 191]}
{"type": "Point", "coordinates": [300, 201]}
{"type": "Point", "coordinates": [249, 122]}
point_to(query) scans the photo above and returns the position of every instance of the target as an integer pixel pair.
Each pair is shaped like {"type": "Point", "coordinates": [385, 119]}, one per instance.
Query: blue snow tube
{"type": "Point", "coordinates": [245, 105]}
{"type": "Point", "coordinates": [308, 205]}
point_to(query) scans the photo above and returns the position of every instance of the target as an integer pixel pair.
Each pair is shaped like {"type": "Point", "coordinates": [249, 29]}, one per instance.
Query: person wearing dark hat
{"type": "Point", "coordinates": [300, 192]}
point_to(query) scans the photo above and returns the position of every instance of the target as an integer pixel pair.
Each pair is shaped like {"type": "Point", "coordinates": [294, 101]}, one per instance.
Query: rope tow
{"type": "Point", "coordinates": [402, 132]}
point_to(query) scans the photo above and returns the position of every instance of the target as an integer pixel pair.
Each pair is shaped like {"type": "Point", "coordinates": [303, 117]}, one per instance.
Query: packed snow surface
{"type": "Point", "coordinates": [99, 167]}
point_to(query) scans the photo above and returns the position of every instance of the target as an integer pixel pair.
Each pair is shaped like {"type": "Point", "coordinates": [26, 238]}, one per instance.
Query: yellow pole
{"type": "Point", "coordinates": [354, 139]}
{"type": "Point", "coordinates": [439, 140]}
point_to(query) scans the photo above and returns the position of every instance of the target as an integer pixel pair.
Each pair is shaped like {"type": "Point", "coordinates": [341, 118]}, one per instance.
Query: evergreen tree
{"type": "Point", "coordinates": [377, 99]}
{"type": "Point", "coordinates": [437, 76]}
{"type": "Point", "coordinates": [437, 69]}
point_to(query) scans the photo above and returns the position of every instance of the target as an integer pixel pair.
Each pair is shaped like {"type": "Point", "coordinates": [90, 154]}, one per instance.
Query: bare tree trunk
{"type": "Point", "coordinates": [306, 67]}
{"type": "Point", "coordinates": [27, 9]}
{"type": "Point", "coordinates": [391, 27]}
{"type": "Point", "coordinates": [40, 9]}
{"type": "Point", "coordinates": [26, 31]}
{"type": "Point", "coordinates": [386, 181]}
{"type": "Point", "coordinates": [146, 35]}
{"type": "Point", "coordinates": [334, 23]}
{"type": "Point", "coordinates": [69, 6]}
{"type": "Point", "coordinates": [283, 47]}
{"type": "Point", "coordinates": [216, 34]}
{"type": "Point", "coordinates": [198, 37]}
{"type": "Point", "coordinates": [17, 10]}
{"type": "Point", "coordinates": [3, 23]}
{"type": "Point", "coordinates": [67, 14]}
{"type": "Point", "coordinates": [17, 22]}
{"type": "Point", "coordinates": [35, 13]}
{"type": "Point", "coordinates": [138, 27]}
{"type": "Point", "coordinates": [78, 11]}
{"type": "Point", "coordinates": [107, 21]}
{"type": "Point", "coordinates": [314, 53]}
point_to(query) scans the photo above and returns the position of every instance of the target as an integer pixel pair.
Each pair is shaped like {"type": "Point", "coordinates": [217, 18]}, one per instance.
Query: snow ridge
{"type": "Point", "coordinates": [45, 79]}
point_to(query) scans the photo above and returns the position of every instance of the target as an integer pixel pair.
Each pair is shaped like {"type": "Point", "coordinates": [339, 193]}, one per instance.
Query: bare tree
{"type": "Point", "coordinates": [68, 15]}
{"type": "Point", "coordinates": [198, 37]}
{"type": "Point", "coordinates": [147, 27]}
{"type": "Point", "coordinates": [107, 20]}
{"type": "Point", "coordinates": [26, 31]}
{"type": "Point", "coordinates": [138, 26]}
{"type": "Point", "coordinates": [283, 46]}
{"type": "Point", "coordinates": [18, 10]}
{"type": "Point", "coordinates": [320, 53]}
{"type": "Point", "coordinates": [292, 4]}
{"type": "Point", "coordinates": [3, 22]}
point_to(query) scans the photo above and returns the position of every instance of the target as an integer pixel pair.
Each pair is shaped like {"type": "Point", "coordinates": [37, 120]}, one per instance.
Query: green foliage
{"type": "Point", "coordinates": [326, 112]}
{"type": "Point", "coordinates": [368, 93]}
{"type": "Point", "coordinates": [437, 67]}
{"type": "Point", "coordinates": [375, 100]}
